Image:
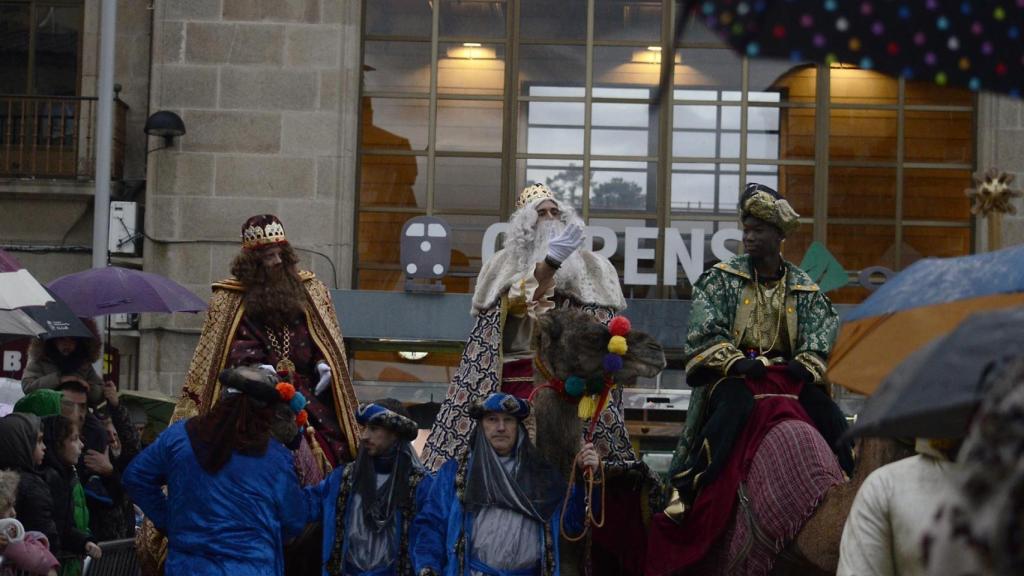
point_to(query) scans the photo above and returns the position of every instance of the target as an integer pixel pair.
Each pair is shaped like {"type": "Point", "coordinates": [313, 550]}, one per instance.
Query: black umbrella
{"type": "Point", "coordinates": [950, 42]}
{"type": "Point", "coordinates": [58, 320]}
{"type": "Point", "coordinates": [936, 390]}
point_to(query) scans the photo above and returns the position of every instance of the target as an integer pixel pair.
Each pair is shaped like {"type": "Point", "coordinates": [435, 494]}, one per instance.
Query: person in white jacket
{"type": "Point", "coordinates": [893, 509]}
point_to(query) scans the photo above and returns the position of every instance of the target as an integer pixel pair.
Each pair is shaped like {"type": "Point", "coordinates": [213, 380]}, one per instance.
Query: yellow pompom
{"type": "Point", "coordinates": [587, 406]}
{"type": "Point", "coordinates": [617, 345]}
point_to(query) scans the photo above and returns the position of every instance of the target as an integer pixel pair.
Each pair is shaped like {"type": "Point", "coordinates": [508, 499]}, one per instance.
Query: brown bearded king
{"type": "Point", "coordinates": [272, 314]}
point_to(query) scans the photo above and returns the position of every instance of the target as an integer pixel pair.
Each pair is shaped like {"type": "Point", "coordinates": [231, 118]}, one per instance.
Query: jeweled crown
{"type": "Point", "coordinates": [533, 192]}
{"type": "Point", "coordinates": [260, 231]}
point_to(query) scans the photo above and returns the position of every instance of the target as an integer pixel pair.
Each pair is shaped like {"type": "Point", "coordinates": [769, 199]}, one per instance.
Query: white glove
{"type": "Point", "coordinates": [325, 378]}
{"type": "Point", "coordinates": [268, 368]}
{"type": "Point", "coordinates": [563, 245]}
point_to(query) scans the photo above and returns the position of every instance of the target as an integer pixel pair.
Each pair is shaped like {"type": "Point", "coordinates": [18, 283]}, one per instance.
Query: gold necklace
{"type": "Point", "coordinates": [284, 363]}
{"type": "Point", "coordinates": [762, 308]}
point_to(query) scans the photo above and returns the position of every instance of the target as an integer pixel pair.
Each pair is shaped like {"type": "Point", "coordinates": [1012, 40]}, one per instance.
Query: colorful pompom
{"type": "Point", "coordinates": [575, 386]}
{"type": "Point", "coordinates": [285, 390]}
{"type": "Point", "coordinates": [617, 345]}
{"type": "Point", "coordinates": [612, 362]}
{"type": "Point", "coordinates": [297, 403]}
{"type": "Point", "coordinates": [619, 326]}
{"type": "Point", "coordinates": [596, 385]}
{"type": "Point", "coordinates": [586, 408]}
{"type": "Point", "coordinates": [302, 418]}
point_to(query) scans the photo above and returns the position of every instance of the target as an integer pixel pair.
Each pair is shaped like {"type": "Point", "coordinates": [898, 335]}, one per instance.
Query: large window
{"type": "Point", "coordinates": [467, 101]}
{"type": "Point", "coordinates": [40, 43]}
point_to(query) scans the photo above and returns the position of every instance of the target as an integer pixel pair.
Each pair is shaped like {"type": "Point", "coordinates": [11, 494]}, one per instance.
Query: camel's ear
{"type": "Point", "coordinates": [645, 356]}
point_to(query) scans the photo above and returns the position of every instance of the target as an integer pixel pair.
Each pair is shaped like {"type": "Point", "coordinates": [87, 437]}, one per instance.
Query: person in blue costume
{"type": "Point", "coordinates": [497, 509]}
{"type": "Point", "coordinates": [233, 497]}
{"type": "Point", "coordinates": [367, 507]}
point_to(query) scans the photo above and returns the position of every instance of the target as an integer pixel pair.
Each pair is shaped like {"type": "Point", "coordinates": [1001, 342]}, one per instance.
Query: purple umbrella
{"type": "Point", "coordinates": [116, 290]}
{"type": "Point", "coordinates": [8, 263]}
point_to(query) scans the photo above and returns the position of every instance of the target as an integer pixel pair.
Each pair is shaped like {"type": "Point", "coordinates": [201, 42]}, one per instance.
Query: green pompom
{"type": "Point", "coordinates": [595, 385]}
{"type": "Point", "coordinates": [575, 386]}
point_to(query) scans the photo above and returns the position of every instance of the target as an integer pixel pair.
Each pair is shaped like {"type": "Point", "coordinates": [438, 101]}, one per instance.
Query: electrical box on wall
{"type": "Point", "coordinates": [122, 235]}
{"type": "Point", "coordinates": [126, 321]}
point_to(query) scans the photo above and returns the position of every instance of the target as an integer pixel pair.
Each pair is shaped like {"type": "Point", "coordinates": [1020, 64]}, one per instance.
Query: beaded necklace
{"type": "Point", "coordinates": [767, 301]}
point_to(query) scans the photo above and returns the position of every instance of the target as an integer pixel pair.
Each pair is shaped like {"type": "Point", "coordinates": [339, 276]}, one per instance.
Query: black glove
{"type": "Point", "coordinates": [748, 367]}
{"type": "Point", "coordinates": [800, 372]}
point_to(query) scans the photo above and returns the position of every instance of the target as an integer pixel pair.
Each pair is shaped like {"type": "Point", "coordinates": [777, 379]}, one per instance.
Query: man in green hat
{"type": "Point", "coordinates": [750, 313]}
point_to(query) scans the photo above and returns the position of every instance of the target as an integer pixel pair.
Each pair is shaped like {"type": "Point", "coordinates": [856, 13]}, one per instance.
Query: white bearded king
{"type": "Point", "coordinates": [507, 301]}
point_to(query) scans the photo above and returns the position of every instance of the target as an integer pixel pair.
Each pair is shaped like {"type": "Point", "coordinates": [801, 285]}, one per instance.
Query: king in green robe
{"type": "Point", "coordinates": [748, 313]}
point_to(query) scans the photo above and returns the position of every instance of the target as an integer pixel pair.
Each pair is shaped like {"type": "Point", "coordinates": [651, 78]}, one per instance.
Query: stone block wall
{"type": "Point", "coordinates": [268, 90]}
{"type": "Point", "coordinates": [1001, 144]}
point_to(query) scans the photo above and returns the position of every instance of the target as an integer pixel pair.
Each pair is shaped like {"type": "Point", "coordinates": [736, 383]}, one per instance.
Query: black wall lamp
{"type": "Point", "coordinates": [166, 125]}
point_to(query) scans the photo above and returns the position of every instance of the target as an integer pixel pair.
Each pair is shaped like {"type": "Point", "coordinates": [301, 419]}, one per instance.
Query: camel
{"type": "Point", "coordinates": [571, 342]}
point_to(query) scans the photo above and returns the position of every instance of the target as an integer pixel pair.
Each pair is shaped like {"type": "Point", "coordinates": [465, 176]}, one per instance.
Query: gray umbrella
{"type": "Point", "coordinates": [936, 390]}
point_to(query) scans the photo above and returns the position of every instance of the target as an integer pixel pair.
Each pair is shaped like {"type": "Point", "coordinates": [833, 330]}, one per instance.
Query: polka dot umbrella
{"type": "Point", "coordinates": [974, 44]}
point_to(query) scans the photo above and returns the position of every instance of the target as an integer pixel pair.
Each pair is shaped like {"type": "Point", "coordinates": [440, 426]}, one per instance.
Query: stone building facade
{"type": "Point", "coordinates": [269, 91]}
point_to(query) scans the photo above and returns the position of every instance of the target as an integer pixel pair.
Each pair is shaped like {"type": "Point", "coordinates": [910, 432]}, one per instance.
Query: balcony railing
{"type": "Point", "coordinates": [54, 137]}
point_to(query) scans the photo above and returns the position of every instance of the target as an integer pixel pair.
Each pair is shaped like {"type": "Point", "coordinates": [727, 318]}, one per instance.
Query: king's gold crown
{"type": "Point", "coordinates": [257, 236]}
{"type": "Point", "coordinates": [533, 192]}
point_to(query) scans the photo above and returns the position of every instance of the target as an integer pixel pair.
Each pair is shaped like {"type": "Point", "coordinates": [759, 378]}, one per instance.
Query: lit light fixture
{"type": "Point", "coordinates": [651, 55]}
{"type": "Point", "coordinates": [471, 51]}
{"type": "Point", "coordinates": [412, 355]}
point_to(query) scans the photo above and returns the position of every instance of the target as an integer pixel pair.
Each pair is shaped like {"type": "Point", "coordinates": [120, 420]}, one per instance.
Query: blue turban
{"type": "Point", "coordinates": [500, 402]}
{"type": "Point", "coordinates": [378, 415]}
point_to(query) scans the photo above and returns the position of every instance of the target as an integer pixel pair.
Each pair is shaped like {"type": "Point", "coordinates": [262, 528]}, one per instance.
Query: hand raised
{"type": "Point", "coordinates": [563, 244]}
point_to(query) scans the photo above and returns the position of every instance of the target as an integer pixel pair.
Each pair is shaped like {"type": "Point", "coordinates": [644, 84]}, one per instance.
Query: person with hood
{"type": "Point", "coordinates": [368, 506]}
{"type": "Point", "coordinates": [93, 467]}
{"type": "Point", "coordinates": [28, 551]}
{"type": "Point", "coordinates": [233, 497]}
{"type": "Point", "coordinates": [22, 450]}
{"type": "Point", "coordinates": [498, 509]}
{"type": "Point", "coordinates": [72, 539]}
{"type": "Point", "coordinates": [56, 361]}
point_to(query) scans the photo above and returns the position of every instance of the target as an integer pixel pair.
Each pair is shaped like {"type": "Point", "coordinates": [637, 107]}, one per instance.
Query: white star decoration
{"type": "Point", "coordinates": [992, 193]}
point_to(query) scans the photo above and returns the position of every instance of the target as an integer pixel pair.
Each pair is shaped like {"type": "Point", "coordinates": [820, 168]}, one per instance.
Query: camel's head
{"type": "Point", "coordinates": [572, 342]}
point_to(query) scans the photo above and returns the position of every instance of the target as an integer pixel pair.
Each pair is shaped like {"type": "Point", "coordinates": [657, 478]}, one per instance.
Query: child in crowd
{"type": "Point", "coordinates": [70, 514]}
{"type": "Point", "coordinates": [20, 550]}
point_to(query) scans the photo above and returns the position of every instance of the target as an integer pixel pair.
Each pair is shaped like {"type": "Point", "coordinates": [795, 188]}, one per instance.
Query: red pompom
{"type": "Point", "coordinates": [302, 418]}
{"type": "Point", "coordinates": [619, 326]}
{"type": "Point", "coordinates": [285, 390]}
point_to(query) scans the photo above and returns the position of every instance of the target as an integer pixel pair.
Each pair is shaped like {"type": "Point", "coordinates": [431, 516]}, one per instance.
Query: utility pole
{"type": "Point", "coordinates": [104, 133]}
{"type": "Point", "coordinates": [104, 144]}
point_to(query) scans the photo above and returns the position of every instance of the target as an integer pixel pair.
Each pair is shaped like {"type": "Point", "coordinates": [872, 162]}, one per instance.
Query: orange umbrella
{"type": "Point", "coordinates": [927, 300]}
{"type": "Point", "coordinates": [867, 350]}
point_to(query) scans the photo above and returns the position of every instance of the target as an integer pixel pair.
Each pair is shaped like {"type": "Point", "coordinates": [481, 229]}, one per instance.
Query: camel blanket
{"type": "Point", "coordinates": [790, 475]}
{"type": "Point", "coordinates": [784, 480]}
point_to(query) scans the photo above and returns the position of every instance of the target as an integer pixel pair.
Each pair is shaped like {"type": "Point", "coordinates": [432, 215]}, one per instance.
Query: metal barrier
{"type": "Point", "coordinates": [118, 559]}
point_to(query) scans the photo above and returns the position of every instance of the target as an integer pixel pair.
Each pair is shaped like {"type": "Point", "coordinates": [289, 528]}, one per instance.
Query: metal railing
{"type": "Point", "coordinates": [54, 137]}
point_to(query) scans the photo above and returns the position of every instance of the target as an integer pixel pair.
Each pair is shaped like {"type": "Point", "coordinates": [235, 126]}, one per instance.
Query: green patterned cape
{"type": "Point", "coordinates": [723, 301]}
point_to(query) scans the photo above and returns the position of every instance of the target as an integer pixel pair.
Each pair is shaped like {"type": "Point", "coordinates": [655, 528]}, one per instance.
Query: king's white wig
{"type": "Point", "coordinates": [521, 238]}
